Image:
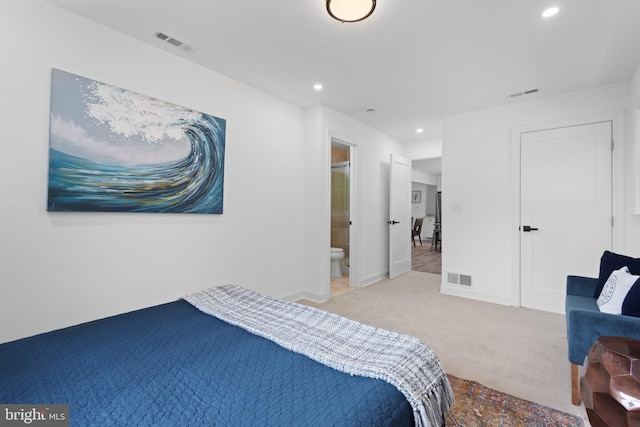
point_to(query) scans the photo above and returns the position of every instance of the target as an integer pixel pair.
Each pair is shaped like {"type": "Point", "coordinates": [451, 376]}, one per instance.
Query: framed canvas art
{"type": "Point", "coordinates": [113, 150]}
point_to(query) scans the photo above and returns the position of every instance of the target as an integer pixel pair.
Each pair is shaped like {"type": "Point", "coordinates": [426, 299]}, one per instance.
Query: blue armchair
{"type": "Point", "coordinates": [585, 324]}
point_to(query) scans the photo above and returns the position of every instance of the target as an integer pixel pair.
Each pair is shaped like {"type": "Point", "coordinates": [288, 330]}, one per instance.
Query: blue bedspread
{"type": "Point", "coordinates": [174, 365]}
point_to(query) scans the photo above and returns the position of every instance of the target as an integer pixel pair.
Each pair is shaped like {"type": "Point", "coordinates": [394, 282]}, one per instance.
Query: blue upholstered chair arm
{"type": "Point", "coordinates": [586, 326]}
{"type": "Point", "coordinates": [581, 286]}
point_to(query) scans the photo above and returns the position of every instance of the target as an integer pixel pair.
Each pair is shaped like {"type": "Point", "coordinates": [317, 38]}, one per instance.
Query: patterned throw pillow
{"type": "Point", "coordinates": [609, 262]}
{"type": "Point", "coordinates": [615, 290]}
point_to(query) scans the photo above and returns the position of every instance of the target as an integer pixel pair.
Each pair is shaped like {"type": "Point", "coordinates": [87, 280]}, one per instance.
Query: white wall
{"type": "Point", "coordinates": [59, 269]}
{"type": "Point", "coordinates": [424, 178]}
{"type": "Point", "coordinates": [478, 239]}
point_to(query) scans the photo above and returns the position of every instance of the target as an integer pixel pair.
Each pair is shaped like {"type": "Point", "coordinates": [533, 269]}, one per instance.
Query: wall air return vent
{"type": "Point", "coordinates": [167, 38]}
{"type": "Point", "coordinates": [459, 279]}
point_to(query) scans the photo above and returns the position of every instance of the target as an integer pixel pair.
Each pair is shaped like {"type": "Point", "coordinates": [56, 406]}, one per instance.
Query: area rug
{"type": "Point", "coordinates": [480, 406]}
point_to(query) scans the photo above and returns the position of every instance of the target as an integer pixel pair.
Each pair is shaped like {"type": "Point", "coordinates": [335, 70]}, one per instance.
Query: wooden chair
{"type": "Point", "coordinates": [437, 236]}
{"type": "Point", "coordinates": [416, 230]}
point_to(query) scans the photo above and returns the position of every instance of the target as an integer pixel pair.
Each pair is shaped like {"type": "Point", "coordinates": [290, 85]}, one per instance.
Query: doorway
{"type": "Point", "coordinates": [340, 217]}
{"type": "Point", "coordinates": [425, 190]}
{"type": "Point", "coordinates": [565, 209]}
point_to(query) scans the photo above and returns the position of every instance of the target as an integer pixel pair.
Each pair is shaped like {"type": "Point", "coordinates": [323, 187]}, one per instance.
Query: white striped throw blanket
{"type": "Point", "coordinates": [340, 343]}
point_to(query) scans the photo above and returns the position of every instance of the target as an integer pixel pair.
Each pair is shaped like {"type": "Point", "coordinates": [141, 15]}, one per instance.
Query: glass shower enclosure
{"type": "Point", "coordinates": [340, 209]}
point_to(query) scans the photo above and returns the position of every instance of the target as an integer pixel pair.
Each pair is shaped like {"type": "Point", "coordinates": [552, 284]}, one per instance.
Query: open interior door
{"type": "Point", "coordinates": [399, 216]}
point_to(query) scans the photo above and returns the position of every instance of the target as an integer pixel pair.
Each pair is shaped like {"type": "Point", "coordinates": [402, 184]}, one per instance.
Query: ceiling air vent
{"type": "Point", "coordinates": [526, 92]}
{"type": "Point", "coordinates": [161, 35]}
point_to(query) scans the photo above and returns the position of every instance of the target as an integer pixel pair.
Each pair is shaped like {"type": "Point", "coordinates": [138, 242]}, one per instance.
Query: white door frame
{"type": "Point", "coordinates": [354, 233]}
{"type": "Point", "coordinates": [618, 183]}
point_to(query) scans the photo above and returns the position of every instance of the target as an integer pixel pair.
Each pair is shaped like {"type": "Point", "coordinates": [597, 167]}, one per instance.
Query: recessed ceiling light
{"type": "Point", "coordinates": [317, 86]}
{"type": "Point", "coordinates": [419, 130]}
{"type": "Point", "coordinates": [550, 12]}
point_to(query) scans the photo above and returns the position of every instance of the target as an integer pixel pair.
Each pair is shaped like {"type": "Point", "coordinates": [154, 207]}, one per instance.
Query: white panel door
{"type": "Point", "coordinates": [399, 216]}
{"type": "Point", "coordinates": [565, 209]}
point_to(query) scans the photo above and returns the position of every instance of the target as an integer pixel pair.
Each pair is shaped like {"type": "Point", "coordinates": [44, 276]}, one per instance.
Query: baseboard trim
{"type": "Point", "coordinates": [370, 280]}
{"type": "Point", "coordinates": [464, 292]}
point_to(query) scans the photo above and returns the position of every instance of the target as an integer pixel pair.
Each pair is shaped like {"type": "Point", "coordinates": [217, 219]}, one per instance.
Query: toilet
{"type": "Point", "coordinates": [336, 255]}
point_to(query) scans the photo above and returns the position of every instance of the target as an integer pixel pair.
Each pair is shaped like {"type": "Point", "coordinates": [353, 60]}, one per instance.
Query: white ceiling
{"type": "Point", "coordinates": [416, 61]}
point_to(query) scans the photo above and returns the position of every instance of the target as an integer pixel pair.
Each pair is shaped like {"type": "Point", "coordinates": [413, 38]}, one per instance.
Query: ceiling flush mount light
{"type": "Point", "coordinates": [548, 13]}
{"type": "Point", "coordinates": [350, 10]}
{"type": "Point", "coordinates": [419, 130]}
{"type": "Point", "coordinates": [317, 86]}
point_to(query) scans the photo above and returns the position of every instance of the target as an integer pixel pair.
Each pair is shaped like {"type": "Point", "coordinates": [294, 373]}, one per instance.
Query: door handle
{"type": "Point", "coordinates": [393, 222]}
{"type": "Point", "coordinates": [527, 228]}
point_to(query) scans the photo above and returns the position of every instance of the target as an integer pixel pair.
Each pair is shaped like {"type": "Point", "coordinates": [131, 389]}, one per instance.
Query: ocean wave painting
{"type": "Point", "coordinates": [113, 150]}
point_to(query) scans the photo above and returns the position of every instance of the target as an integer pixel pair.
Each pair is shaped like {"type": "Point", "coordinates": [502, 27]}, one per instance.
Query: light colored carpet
{"type": "Point", "coordinates": [518, 351]}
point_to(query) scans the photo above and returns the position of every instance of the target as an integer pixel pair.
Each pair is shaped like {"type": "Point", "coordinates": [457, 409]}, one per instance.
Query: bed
{"type": "Point", "coordinates": [227, 356]}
